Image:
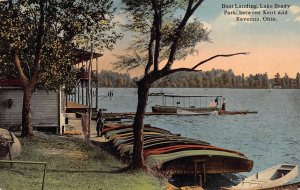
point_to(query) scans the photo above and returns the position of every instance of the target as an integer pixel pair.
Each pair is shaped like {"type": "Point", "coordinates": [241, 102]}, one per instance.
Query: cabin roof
{"type": "Point", "coordinates": [86, 56]}
{"type": "Point", "coordinates": [10, 83]}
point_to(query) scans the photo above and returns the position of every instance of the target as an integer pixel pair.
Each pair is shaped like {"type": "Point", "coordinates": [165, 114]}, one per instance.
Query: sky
{"type": "Point", "coordinates": [273, 46]}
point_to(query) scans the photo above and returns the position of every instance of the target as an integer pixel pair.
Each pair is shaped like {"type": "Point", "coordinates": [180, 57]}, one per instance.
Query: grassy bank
{"type": "Point", "coordinates": [71, 164]}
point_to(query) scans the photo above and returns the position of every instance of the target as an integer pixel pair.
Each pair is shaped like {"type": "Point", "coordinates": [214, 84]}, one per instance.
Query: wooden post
{"type": "Point", "coordinates": [81, 83]}
{"type": "Point", "coordinates": [82, 99]}
{"type": "Point", "coordinates": [91, 82]}
{"type": "Point", "coordinates": [9, 153]}
{"type": "Point", "coordinates": [204, 173]}
{"type": "Point", "coordinates": [97, 83]}
{"type": "Point", "coordinates": [195, 172]}
{"type": "Point", "coordinates": [89, 89]}
{"type": "Point", "coordinates": [86, 91]}
{"type": "Point", "coordinates": [202, 178]}
{"type": "Point", "coordinates": [44, 174]}
{"type": "Point", "coordinates": [173, 102]}
{"type": "Point", "coordinates": [78, 86]}
{"type": "Point", "coordinates": [200, 181]}
{"type": "Point", "coordinates": [75, 94]}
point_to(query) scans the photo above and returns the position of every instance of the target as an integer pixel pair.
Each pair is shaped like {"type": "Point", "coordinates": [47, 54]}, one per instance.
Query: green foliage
{"type": "Point", "coordinates": [68, 27]}
{"type": "Point", "coordinates": [148, 30]}
{"type": "Point", "coordinates": [194, 33]}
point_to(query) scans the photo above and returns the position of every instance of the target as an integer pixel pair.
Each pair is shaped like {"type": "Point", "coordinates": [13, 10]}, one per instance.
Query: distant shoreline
{"type": "Point", "coordinates": [207, 79]}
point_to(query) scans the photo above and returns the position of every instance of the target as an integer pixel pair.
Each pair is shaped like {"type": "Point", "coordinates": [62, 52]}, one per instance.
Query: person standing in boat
{"type": "Point", "coordinates": [223, 104]}
{"type": "Point", "coordinates": [217, 101]}
{"type": "Point", "coordinates": [100, 123]}
{"type": "Point", "coordinates": [85, 123]}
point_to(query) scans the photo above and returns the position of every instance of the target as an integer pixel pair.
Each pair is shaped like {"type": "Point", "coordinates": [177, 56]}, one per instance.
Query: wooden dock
{"type": "Point", "coordinates": [130, 114]}
{"type": "Point", "coordinates": [72, 107]}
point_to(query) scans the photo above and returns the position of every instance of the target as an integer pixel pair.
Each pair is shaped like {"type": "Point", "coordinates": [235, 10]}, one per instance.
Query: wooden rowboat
{"type": "Point", "coordinates": [199, 161]}
{"type": "Point", "coordinates": [111, 128]}
{"type": "Point", "coordinates": [272, 177]}
{"type": "Point", "coordinates": [160, 142]}
{"type": "Point", "coordinates": [179, 154]}
{"type": "Point", "coordinates": [167, 143]}
{"type": "Point", "coordinates": [122, 131]}
{"type": "Point", "coordinates": [178, 148]}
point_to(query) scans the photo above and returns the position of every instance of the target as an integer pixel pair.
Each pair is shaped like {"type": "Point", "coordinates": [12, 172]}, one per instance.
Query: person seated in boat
{"type": "Point", "coordinates": [223, 104]}
{"type": "Point", "coordinates": [217, 101]}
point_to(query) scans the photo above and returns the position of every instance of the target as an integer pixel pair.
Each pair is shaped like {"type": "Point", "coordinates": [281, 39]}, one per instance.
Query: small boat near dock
{"type": "Point", "coordinates": [187, 105]}
{"type": "Point", "coordinates": [196, 104]}
{"type": "Point", "coordinates": [272, 177]}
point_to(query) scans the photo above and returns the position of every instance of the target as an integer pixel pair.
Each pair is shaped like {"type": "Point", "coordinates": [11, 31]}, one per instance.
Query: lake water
{"type": "Point", "coordinates": [269, 138]}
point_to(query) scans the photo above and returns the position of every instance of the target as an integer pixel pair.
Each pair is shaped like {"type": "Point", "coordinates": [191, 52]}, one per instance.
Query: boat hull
{"type": "Point", "coordinates": [171, 109]}
{"type": "Point", "coordinates": [181, 155]}
{"type": "Point", "coordinates": [198, 161]}
{"type": "Point", "coordinates": [272, 177]}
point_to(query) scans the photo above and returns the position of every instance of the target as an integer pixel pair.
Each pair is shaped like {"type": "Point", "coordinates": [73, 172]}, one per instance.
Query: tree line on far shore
{"type": "Point", "coordinates": [216, 78]}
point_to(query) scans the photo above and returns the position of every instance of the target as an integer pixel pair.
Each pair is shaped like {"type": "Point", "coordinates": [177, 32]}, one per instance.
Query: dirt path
{"type": "Point", "coordinates": [74, 124]}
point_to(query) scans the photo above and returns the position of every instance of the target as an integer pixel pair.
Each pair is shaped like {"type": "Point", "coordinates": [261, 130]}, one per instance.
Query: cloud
{"type": "Point", "coordinates": [297, 19]}
{"type": "Point", "coordinates": [233, 23]}
{"type": "Point", "coordinates": [207, 25]}
{"type": "Point", "coordinates": [295, 9]}
{"type": "Point", "coordinates": [223, 22]}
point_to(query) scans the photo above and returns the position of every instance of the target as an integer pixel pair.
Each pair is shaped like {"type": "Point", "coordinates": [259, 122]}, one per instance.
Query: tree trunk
{"type": "Point", "coordinates": [27, 129]}
{"type": "Point", "coordinates": [138, 130]}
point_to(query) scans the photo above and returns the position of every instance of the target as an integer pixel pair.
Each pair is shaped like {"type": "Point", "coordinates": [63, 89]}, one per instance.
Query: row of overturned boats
{"type": "Point", "coordinates": [165, 151]}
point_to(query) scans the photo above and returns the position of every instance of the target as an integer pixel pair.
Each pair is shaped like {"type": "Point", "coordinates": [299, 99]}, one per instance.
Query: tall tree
{"type": "Point", "coordinates": [163, 35]}
{"type": "Point", "coordinates": [39, 42]}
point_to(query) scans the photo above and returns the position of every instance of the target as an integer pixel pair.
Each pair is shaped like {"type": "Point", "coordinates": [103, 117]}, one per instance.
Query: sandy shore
{"type": "Point", "coordinates": [74, 124]}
